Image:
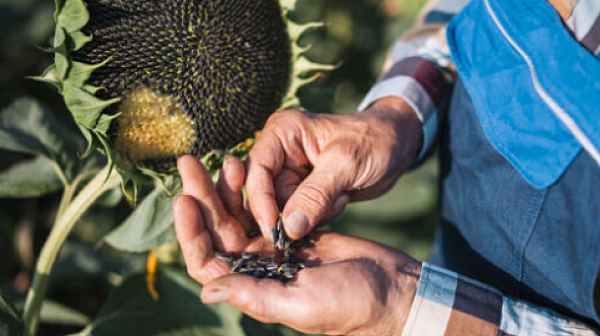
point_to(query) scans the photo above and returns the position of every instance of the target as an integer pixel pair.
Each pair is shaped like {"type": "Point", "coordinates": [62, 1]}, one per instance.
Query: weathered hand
{"type": "Point", "coordinates": [350, 286]}
{"type": "Point", "coordinates": [315, 163]}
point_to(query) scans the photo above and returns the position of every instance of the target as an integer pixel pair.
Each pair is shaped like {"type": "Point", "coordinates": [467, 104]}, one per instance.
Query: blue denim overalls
{"type": "Point", "coordinates": [520, 188]}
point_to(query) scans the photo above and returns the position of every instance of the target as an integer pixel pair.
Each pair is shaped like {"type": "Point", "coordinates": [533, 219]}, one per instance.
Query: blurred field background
{"type": "Point", "coordinates": [357, 36]}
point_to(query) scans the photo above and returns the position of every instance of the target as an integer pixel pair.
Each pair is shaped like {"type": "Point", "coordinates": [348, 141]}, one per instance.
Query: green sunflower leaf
{"type": "Point", "coordinates": [111, 198]}
{"type": "Point", "coordinates": [60, 38]}
{"type": "Point", "coordinates": [61, 59]}
{"type": "Point", "coordinates": [288, 5]}
{"type": "Point", "coordinates": [73, 15]}
{"type": "Point", "coordinates": [77, 39]}
{"type": "Point", "coordinates": [304, 66]}
{"type": "Point", "coordinates": [85, 107]}
{"type": "Point", "coordinates": [79, 73]}
{"type": "Point", "coordinates": [104, 122]}
{"type": "Point", "coordinates": [296, 30]}
{"type": "Point", "coordinates": [10, 322]}
{"type": "Point", "coordinates": [131, 181]}
{"type": "Point", "coordinates": [49, 76]}
{"type": "Point", "coordinates": [131, 311]}
{"type": "Point", "coordinates": [56, 313]}
{"type": "Point", "coordinates": [59, 4]}
{"type": "Point", "coordinates": [298, 50]}
{"type": "Point", "coordinates": [28, 127]}
{"type": "Point", "coordinates": [32, 178]}
{"type": "Point", "coordinates": [291, 99]}
{"type": "Point", "coordinates": [149, 226]}
{"type": "Point", "coordinates": [92, 141]}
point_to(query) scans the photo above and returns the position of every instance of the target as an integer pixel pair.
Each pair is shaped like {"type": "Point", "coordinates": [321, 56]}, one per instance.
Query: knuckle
{"type": "Point", "coordinates": [315, 196]}
{"type": "Point", "coordinates": [195, 273]}
{"type": "Point", "coordinates": [285, 117]}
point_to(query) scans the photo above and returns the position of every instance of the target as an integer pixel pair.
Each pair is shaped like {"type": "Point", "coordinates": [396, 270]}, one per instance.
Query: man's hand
{"type": "Point", "coordinates": [315, 163]}
{"type": "Point", "coordinates": [349, 287]}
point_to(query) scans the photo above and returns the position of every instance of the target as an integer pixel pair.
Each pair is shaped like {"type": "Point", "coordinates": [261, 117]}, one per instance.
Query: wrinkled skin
{"type": "Point", "coordinates": [311, 165]}
{"type": "Point", "coordinates": [351, 286]}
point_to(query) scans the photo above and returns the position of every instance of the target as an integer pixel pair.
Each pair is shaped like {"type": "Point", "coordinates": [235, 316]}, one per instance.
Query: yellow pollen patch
{"type": "Point", "coordinates": [152, 126]}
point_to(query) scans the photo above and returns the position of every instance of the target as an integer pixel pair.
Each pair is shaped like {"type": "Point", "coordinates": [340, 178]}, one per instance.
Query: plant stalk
{"type": "Point", "coordinates": [63, 225]}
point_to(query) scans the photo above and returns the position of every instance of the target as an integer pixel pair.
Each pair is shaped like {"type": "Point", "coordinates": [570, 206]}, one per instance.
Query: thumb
{"type": "Point", "coordinates": [265, 300]}
{"type": "Point", "coordinates": [315, 197]}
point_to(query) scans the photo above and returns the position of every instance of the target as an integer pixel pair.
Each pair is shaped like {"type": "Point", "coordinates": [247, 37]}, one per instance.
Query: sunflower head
{"type": "Point", "coordinates": [192, 76]}
{"type": "Point", "coordinates": [150, 80]}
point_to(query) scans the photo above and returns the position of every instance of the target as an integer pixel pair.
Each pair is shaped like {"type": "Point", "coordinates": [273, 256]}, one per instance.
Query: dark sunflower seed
{"type": "Point", "coordinates": [272, 267]}
{"type": "Point", "coordinates": [259, 274]}
{"type": "Point", "coordinates": [273, 235]}
{"type": "Point", "coordinates": [266, 261]}
{"type": "Point", "coordinates": [289, 268]}
{"type": "Point", "coordinates": [253, 234]}
{"type": "Point", "coordinates": [249, 256]}
{"type": "Point", "coordinates": [279, 244]}
{"type": "Point", "coordinates": [224, 256]}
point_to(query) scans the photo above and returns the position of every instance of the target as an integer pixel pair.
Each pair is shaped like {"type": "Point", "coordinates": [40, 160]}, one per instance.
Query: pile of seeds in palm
{"type": "Point", "coordinates": [281, 267]}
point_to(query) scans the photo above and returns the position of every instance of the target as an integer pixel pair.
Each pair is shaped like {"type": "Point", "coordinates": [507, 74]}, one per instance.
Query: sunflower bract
{"type": "Point", "coordinates": [193, 75]}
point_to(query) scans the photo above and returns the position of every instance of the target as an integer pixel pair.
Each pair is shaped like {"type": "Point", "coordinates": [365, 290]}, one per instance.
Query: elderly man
{"type": "Point", "coordinates": [511, 91]}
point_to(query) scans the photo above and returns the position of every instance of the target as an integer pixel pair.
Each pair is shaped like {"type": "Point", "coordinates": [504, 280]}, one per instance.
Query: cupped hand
{"type": "Point", "coordinates": [350, 286]}
{"type": "Point", "coordinates": [315, 163]}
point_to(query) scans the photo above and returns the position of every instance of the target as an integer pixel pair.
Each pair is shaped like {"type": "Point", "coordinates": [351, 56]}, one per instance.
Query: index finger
{"type": "Point", "coordinates": [264, 163]}
{"type": "Point", "coordinates": [196, 242]}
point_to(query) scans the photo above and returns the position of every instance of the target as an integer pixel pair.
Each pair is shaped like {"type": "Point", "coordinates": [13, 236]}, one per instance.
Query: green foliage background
{"type": "Point", "coordinates": [357, 36]}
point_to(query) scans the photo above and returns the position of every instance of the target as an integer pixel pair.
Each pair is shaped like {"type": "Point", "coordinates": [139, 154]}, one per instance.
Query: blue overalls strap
{"type": "Point", "coordinates": [536, 90]}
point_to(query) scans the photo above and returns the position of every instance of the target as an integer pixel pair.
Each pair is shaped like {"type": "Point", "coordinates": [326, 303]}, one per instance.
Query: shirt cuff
{"type": "Point", "coordinates": [447, 304]}
{"type": "Point", "coordinates": [420, 83]}
{"type": "Point", "coordinates": [450, 304]}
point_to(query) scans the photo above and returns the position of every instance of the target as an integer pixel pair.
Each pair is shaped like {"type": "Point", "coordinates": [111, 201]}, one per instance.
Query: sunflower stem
{"type": "Point", "coordinates": [62, 226]}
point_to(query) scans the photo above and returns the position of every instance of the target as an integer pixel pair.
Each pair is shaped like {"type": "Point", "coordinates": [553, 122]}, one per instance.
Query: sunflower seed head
{"type": "Point", "coordinates": [220, 66]}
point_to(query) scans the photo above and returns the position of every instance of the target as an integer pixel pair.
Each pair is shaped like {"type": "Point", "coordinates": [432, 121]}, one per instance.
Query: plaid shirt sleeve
{"type": "Point", "coordinates": [419, 68]}
{"type": "Point", "coordinates": [450, 304]}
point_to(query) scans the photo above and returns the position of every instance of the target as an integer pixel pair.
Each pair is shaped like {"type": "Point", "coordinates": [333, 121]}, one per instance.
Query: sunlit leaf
{"type": "Point", "coordinates": [149, 226]}
{"type": "Point", "coordinates": [30, 178]}
{"type": "Point", "coordinates": [55, 313]}
{"type": "Point", "coordinates": [73, 15]}
{"type": "Point", "coordinates": [77, 40]}
{"type": "Point", "coordinates": [131, 311]}
{"type": "Point", "coordinates": [110, 198]}
{"type": "Point", "coordinates": [28, 127]}
{"type": "Point", "coordinates": [84, 106]}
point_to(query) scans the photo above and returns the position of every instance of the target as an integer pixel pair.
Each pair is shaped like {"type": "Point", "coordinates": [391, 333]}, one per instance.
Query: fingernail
{"type": "Point", "coordinates": [296, 223]}
{"type": "Point", "coordinates": [179, 162]}
{"type": "Point", "coordinates": [216, 295]}
{"type": "Point", "coordinates": [226, 161]}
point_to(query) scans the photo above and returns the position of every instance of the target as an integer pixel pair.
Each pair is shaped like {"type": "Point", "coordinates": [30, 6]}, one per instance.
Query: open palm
{"type": "Point", "coordinates": [350, 286]}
